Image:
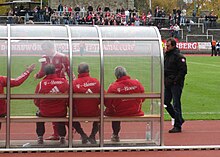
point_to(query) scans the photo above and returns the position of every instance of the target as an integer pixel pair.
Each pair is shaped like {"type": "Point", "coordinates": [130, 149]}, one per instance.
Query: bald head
{"type": "Point", "coordinates": [83, 68]}
{"type": "Point", "coordinates": [120, 71]}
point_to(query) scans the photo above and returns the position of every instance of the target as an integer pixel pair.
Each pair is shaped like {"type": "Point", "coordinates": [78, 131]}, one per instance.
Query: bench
{"type": "Point", "coordinates": [31, 119]}
{"type": "Point", "coordinates": [153, 117]}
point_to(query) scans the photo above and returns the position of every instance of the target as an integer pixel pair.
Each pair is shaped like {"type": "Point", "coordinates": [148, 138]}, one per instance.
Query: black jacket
{"type": "Point", "coordinates": [175, 68]}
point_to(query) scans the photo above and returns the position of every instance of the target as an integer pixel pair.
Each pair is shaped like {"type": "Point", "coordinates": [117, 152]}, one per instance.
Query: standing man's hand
{"type": "Point", "coordinates": [31, 68]}
{"type": "Point", "coordinates": [35, 76]}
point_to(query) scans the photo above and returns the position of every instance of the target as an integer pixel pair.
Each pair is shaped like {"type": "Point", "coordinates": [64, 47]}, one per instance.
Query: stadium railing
{"type": "Point", "coordinates": [194, 35]}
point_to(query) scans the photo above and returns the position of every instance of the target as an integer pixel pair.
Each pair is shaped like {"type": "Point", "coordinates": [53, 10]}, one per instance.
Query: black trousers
{"type": "Point", "coordinates": [79, 130]}
{"type": "Point", "coordinates": [40, 128]}
{"type": "Point", "coordinates": [214, 52]}
{"type": "Point", "coordinates": [3, 115]}
{"type": "Point", "coordinates": [173, 93]}
{"type": "Point", "coordinates": [116, 127]}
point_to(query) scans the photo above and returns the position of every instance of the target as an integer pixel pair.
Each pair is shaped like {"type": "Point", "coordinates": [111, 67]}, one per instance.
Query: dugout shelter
{"type": "Point", "coordinates": [138, 49]}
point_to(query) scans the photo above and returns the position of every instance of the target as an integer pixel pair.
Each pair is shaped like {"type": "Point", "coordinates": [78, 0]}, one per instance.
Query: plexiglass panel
{"type": "Point", "coordinates": [141, 59]}
{"type": "Point", "coordinates": [41, 81]}
{"type": "Point", "coordinates": [84, 32]}
{"type": "Point", "coordinates": [3, 76]}
{"type": "Point", "coordinates": [38, 31]}
{"type": "Point", "coordinates": [86, 52]}
{"type": "Point", "coordinates": [126, 32]}
{"type": "Point", "coordinates": [3, 31]}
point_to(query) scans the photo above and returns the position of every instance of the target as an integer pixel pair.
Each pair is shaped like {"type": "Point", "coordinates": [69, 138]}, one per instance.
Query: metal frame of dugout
{"type": "Point", "coordinates": [147, 46]}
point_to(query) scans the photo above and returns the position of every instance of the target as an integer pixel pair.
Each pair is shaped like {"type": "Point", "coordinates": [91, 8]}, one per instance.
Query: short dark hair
{"type": "Point", "coordinates": [49, 69]}
{"type": "Point", "coordinates": [120, 71]}
{"type": "Point", "coordinates": [172, 41]}
{"type": "Point", "coordinates": [83, 67]}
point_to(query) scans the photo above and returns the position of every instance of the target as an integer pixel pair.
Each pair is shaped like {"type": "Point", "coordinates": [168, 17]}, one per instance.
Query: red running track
{"type": "Point", "coordinates": [194, 133]}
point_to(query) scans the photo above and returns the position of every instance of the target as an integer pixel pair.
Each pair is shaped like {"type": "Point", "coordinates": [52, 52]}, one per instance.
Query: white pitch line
{"type": "Point", "coordinates": [205, 64]}
{"type": "Point", "coordinates": [199, 113]}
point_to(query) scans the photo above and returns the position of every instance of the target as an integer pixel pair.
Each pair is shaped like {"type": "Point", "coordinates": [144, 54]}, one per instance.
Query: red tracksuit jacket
{"type": "Point", "coordinates": [52, 84]}
{"type": "Point", "coordinates": [14, 82]}
{"type": "Point", "coordinates": [124, 107]}
{"type": "Point", "coordinates": [86, 107]}
{"type": "Point", "coordinates": [60, 62]}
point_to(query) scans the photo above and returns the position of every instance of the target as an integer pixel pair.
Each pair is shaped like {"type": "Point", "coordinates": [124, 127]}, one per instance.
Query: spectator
{"type": "Point", "coordinates": [90, 8]}
{"type": "Point", "coordinates": [52, 84]}
{"type": "Point", "coordinates": [149, 18]}
{"type": "Point", "coordinates": [176, 29]}
{"type": "Point", "coordinates": [61, 63]}
{"type": "Point", "coordinates": [156, 14]}
{"type": "Point", "coordinates": [60, 9]}
{"type": "Point", "coordinates": [175, 69]}
{"type": "Point", "coordinates": [77, 9]}
{"type": "Point", "coordinates": [194, 16]}
{"type": "Point", "coordinates": [123, 107]}
{"type": "Point", "coordinates": [13, 82]}
{"type": "Point", "coordinates": [183, 17]}
{"type": "Point", "coordinates": [127, 14]}
{"type": "Point", "coordinates": [10, 16]}
{"type": "Point", "coordinates": [188, 25]}
{"type": "Point", "coordinates": [86, 107]}
{"type": "Point", "coordinates": [143, 19]}
{"type": "Point", "coordinates": [163, 15]}
{"type": "Point", "coordinates": [178, 16]}
{"type": "Point", "coordinates": [213, 44]}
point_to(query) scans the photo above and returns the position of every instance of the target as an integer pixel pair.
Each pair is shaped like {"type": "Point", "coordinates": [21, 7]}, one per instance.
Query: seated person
{"type": "Point", "coordinates": [86, 107]}
{"type": "Point", "coordinates": [124, 106]}
{"type": "Point", "coordinates": [61, 63]}
{"type": "Point", "coordinates": [51, 84]}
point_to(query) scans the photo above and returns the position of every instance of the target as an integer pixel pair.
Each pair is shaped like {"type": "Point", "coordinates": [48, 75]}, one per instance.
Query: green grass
{"type": "Point", "coordinates": [200, 98]}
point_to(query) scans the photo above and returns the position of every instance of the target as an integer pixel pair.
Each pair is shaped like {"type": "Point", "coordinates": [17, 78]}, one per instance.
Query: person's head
{"type": "Point", "coordinates": [49, 69]}
{"type": "Point", "coordinates": [170, 44]}
{"type": "Point", "coordinates": [120, 71]}
{"type": "Point", "coordinates": [83, 68]}
{"type": "Point", "coordinates": [48, 47]}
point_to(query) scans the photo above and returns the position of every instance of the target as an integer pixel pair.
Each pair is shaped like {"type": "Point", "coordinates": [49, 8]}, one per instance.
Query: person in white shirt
{"type": "Point", "coordinates": [176, 29]}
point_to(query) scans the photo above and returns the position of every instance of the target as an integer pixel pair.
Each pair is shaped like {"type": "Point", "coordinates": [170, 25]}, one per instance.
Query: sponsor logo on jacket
{"type": "Point", "coordinates": [86, 84]}
{"type": "Point", "coordinates": [126, 88]}
{"type": "Point", "coordinates": [53, 82]}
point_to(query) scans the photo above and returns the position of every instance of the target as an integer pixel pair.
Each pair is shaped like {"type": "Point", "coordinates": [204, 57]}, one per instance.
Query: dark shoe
{"type": "Point", "coordinates": [40, 140]}
{"type": "Point", "coordinates": [175, 130]}
{"type": "Point", "coordinates": [84, 139]}
{"type": "Point", "coordinates": [92, 140]}
{"type": "Point", "coordinates": [183, 121]}
{"type": "Point", "coordinates": [62, 140]}
{"type": "Point", "coordinates": [115, 138]}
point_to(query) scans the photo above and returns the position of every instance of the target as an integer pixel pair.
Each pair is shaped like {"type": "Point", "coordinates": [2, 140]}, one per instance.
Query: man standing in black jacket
{"type": "Point", "coordinates": [175, 69]}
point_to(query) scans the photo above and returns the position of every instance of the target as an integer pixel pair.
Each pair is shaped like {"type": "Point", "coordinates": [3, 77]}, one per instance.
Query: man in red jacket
{"type": "Point", "coordinates": [14, 82]}
{"type": "Point", "coordinates": [123, 107]}
{"type": "Point", "coordinates": [59, 60]}
{"type": "Point", "coordinates": [51, 84]}
{"type": "Point", "coordinates": [62, 67]}
{"type": "Point", "coordinates": [86, 107]}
